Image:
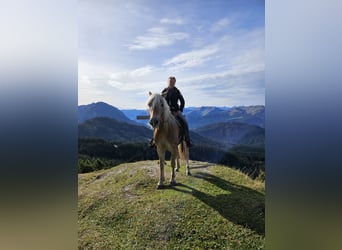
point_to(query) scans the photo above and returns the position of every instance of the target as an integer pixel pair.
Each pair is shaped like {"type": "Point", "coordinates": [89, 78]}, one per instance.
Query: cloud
{"type": "Point", "coordinates": [157, 37]}
{"type": "Point", "coordinates": [232, 87]}
{"type": "Point", "coordinates": [133, 73]}
{"type": "Point", "coordinates": [250, 59]}
{"type": "Point", "coordinates": [228, 71]}
{"type": "Point", "coordinates": [191, 59]}
{"type": "Point", "coordinates": [211, 79]}
{"type": "Point", "coordinates": [142, 71]}
{"type": "Point", "coordinates": [130, 79]}
{"type": "Point", "coordinates": [219, 25]}
{"type": "Point", "coordinates": [177, 21]}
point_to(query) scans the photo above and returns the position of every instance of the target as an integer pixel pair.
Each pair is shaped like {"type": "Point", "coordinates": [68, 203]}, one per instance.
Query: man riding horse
{"type": "Point", "coordinates": [172, 95]}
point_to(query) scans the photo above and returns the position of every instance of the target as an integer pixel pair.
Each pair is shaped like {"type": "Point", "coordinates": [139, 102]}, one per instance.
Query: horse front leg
{"type": "Point", "coordinates": [161, 155]}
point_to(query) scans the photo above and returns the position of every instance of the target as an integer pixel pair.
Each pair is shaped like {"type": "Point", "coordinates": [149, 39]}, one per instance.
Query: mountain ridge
{"type": "Point", "coordinates": [113, 130]}
{"type": "Point", "coordinates": [101, 109]}
{"type": "Point", "coordinates": [219, 127]}
{"type": "Point", "coordinates": [203, 116]}
{"type": "Point", "coordinates": [233, 133]}
{"type": "Point", "coordinates": [196, 116]}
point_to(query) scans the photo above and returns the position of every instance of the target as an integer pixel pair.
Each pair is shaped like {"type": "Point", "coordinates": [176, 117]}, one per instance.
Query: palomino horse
{"type": "Point", "coordinates": [166, 137]}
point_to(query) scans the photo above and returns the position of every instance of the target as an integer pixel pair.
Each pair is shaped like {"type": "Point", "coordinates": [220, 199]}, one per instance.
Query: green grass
{"type": "Point", "coordinates": [215, 208]}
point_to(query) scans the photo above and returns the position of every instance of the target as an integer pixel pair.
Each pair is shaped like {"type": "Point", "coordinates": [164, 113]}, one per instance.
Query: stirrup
{"type": "Point", "coordinates": [151, 144]}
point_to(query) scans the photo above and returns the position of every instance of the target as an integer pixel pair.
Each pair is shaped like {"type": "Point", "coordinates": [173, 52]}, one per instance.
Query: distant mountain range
{"type": "Point", "coordinates": [221, 127]}
{"type": "Point", "coordinates": [199, 117]}
{"type": "Point", "coordinates": [101, 109]}
{"type": "Point", "coordinates": [113, 130]}
{"type": "Point", "coordinates": [196, 116]}
{"type": "Point", "coordinates": [231, 133]}
{"type": "Point", "coordinates": [133, 113]}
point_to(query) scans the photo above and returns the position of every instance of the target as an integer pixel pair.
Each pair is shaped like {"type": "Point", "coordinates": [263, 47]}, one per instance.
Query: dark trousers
{"type": "Point", "coordinates": [184, 124]}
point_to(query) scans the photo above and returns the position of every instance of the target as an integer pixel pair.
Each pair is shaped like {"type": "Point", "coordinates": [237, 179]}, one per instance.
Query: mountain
{"type": "Point", "coordinates": [221, 127]}
{"type": "Point", "coordinates": [198, 140]}
{"type": "Point", "coordinates": [101, 109]}
{"type": "Point", "coordinates": [199, 117]}
{"type": "Point", "coordinates": [215, 208]}
{"type": "Point", "coordinates": [196, 116]}
{"type": "Point", "coordinates": [233, 133]}
{"type": "Point", "coordinates": [133, 113]}
{"type": "Point", "coordinates": [113, 130]}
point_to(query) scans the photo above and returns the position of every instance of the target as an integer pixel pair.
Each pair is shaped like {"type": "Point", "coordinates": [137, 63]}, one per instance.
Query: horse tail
{"type": "Point", "coordinates": [183, 150]}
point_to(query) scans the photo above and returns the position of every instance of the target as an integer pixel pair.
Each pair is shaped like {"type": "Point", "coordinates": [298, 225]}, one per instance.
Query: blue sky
{"type": "Point", "coordinates": [215, 49]}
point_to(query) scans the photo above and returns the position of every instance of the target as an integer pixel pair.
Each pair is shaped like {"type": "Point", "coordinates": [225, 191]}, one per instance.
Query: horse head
{"type": "Point", "coordinates": [156, 107]}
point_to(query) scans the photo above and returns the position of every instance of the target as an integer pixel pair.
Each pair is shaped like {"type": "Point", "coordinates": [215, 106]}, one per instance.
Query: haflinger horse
{"type": "Point", "coordinates": [167, 137]}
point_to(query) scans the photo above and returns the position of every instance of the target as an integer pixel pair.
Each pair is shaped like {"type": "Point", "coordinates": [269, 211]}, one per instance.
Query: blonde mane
{"type": "Point", "coordinates": [157, 100]}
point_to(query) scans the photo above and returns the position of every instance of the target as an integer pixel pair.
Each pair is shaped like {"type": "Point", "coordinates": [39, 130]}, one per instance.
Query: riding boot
{"type": "Point", "coordinates": [187, 139]}
{"type": "Point", "coordinates": [187, 135]}
{"type": "Point", "coordinates": [186, 131]}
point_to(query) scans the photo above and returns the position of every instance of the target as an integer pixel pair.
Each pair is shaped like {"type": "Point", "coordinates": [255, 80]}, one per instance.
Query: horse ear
{"type": "Point", "coordinates": [149, 93]}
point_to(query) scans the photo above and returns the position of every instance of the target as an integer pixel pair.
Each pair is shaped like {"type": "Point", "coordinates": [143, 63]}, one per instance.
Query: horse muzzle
{"type": "Point", "coordinates": [154, 122]}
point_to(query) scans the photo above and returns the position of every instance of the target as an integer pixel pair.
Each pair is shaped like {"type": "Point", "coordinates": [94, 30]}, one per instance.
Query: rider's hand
{"type": "Point", "coordinates": [179, 112]}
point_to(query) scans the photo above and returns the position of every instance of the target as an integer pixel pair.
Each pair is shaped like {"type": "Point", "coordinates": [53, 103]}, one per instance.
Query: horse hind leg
{"type": "Point", "coordinates": [186, 158]}
{"type": "Point", "coordinates": [183, 151]}
{"type": "Point", "coordinates": [187, 168]}
{"type": "Point", "coordinates": [177, 163]}
{"type": "Point", "coordinates": [179, 156]}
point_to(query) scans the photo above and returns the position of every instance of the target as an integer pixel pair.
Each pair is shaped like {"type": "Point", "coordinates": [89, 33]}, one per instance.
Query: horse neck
{"type": "Point", "coordinates": [169, 121]}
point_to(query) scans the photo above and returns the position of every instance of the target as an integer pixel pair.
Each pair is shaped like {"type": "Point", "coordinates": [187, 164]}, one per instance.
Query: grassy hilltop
{"type": "Point", "coordinates": [215, 208]}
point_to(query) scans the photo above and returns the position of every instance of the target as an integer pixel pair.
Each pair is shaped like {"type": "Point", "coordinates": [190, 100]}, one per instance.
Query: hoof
{"type": "Point", "coordinates": [188, 174]}
{"type": "Point", "coordinates": [160, 187]}
{"type": "Point", "coordinates": [172, 183]}
{"type": "Point", "coordinates": [177, 169]}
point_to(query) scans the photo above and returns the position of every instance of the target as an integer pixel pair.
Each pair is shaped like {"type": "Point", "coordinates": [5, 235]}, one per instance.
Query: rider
{"type": "Point", "coordinates": [172, 95]}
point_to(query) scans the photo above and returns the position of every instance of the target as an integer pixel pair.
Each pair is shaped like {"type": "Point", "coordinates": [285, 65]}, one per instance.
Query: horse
{"type": "Point", "coordinates": [166, 136]}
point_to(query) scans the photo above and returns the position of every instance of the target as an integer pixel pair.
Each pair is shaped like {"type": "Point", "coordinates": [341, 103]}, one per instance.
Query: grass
{"type": "Point", "coordinates": [215, 208]}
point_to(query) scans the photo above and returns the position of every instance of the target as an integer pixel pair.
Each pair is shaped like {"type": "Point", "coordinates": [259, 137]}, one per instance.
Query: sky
{"type": "Point", "coordinates": [215, 49]}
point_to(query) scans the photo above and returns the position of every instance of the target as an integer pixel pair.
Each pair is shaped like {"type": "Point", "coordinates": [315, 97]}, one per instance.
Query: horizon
{"type": "Point", "coordinates": [205, 106]}
{"type": "Point", "coordinates": [214, 49]}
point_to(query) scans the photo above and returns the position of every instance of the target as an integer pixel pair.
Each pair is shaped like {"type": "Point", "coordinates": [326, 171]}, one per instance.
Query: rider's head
{"type": "Point", "coordinates": [172, 81]}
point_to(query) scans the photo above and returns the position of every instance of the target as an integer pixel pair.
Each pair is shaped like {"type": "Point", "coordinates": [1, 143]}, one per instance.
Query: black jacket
{"type": "Point", "coordinates": [172, 96]}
